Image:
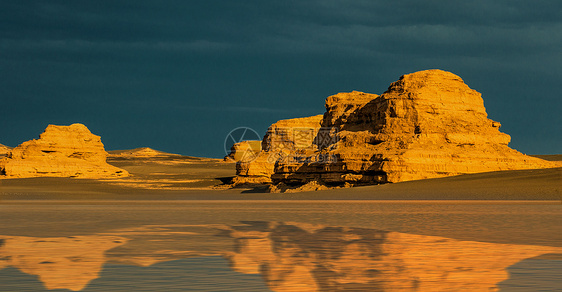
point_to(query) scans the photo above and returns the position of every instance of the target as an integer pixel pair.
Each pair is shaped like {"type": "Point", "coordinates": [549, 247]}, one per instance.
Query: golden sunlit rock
{"type": "Point", "coordinates": [282, 138]}
{"type": "Point", "coordinates": [4, 149]}
{"type": "Point", "coordinates": [427, 124]}
{"type": "Point", "coordinates": [61, 151]}
{"type": "Point", "coordinates": [244, 151]}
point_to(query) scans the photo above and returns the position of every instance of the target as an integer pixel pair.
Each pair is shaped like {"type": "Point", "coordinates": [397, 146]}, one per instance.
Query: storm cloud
{"type": "Point", "coordinates": [178, 75]}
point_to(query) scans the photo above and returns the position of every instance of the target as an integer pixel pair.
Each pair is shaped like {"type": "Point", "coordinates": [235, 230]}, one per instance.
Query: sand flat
{"type": "Point", "coordinates": [176, 177]}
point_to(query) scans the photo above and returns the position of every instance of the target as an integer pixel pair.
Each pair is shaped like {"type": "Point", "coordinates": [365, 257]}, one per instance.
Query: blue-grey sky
{"type": "Point", "coordinates": [179, 75]}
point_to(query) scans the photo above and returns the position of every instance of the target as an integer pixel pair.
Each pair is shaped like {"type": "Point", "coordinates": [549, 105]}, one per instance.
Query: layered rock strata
{"type": "Point", "coordinates": [61, 151]}
{"type": "Point", "coordinates": [282, 139]}
{"type": "Point", "coordinates": [427, 124]}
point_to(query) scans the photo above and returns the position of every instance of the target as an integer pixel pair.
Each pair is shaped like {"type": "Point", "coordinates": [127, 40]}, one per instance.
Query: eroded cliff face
{"type": "Point", "coordinates": [61, 151]}
{"type": "Point", "coordinates": [427, 124]}
{"type": "Point", "coordinates": [4, 150]}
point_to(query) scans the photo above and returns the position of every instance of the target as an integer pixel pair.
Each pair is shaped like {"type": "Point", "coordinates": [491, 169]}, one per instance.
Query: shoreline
{"type": "Point", "coordinates": [276, 201]}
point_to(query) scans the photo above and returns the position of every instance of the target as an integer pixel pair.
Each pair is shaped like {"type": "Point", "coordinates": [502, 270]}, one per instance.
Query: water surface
{"type": "Point", "coordinates": [280, 246]}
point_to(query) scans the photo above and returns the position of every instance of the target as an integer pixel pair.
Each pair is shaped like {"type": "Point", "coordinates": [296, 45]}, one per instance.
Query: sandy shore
{"type": "Point", "coordinates": [176, 177]}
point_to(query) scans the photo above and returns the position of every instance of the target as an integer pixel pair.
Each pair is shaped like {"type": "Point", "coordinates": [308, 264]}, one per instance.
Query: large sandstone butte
{"type": "Point", "coordinates": [427, 124]}
{"type": "Point", "coordinates": [61, 151]}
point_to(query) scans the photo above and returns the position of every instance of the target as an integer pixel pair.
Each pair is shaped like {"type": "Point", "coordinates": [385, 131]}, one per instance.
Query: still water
{"type": "Point", "coordinates": [280, 246]}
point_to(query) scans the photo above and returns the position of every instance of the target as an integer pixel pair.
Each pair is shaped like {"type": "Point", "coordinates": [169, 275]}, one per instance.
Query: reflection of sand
{"type": "Point", "coordinates": [60, 262]}
{"type": "Point", "coordinates": [290, 256]}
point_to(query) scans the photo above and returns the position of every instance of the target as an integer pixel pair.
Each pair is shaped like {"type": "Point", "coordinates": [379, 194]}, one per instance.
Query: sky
{"type": "Point", "coordinates": [178, 76]}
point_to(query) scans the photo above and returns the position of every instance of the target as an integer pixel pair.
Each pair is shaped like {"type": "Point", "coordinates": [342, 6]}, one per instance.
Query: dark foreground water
{"type": "Point", "coordinates": [280, 246]}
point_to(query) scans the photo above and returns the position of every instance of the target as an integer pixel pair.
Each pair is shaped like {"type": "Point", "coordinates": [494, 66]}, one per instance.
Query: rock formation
{"type": "Point", "coordinates": [4, 150]}
{"type": "Point", "coordinates": [281, 140]}
{"type": "Point", "coordinates": [61, 151]}
{"type": "Point", "coordinates": [427, 124]}
{"type": "Point", "coordinates": [244, 151]}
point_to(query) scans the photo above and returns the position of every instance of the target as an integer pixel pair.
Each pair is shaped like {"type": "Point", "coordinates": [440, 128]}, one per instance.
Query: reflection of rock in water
{"type": "Point", "coordinates": [290, 256]}
{"type": "Point", "coordinates": [302, 257]}
{"type": "Point", "coordinates": [60, 262]}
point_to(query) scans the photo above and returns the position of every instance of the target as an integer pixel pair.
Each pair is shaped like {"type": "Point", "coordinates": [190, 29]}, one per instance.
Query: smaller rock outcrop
{"type": "Point", "coordinates": [244, 151]}
{"type": "Point", "coordinates": [61, 151]}
{"type": "Point", "coordinates": [281, 139]}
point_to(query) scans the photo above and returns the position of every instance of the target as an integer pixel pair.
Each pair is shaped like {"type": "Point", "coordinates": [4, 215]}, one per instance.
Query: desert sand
{"type": "Point", "coordinates": [163, 176]}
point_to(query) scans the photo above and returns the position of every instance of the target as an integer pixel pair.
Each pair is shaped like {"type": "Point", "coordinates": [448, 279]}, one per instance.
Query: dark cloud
{"type": "Point", "coordinates": [176, 75]}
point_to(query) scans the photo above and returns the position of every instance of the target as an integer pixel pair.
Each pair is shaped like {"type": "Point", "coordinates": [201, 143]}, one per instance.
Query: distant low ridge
{"type": "Point", "coordinates": [139, 152]}
{"type": "Point", "coordinates": [427, 124]}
